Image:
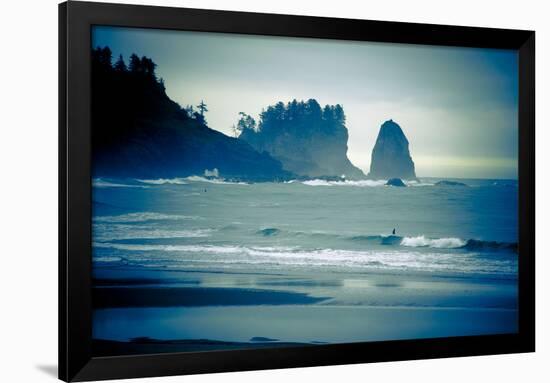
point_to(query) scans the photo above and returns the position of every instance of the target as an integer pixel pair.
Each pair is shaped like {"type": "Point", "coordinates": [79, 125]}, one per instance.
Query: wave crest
{"type": "Point", "coordinates": [164, 181]}
{"type": "Point", "coordinates": [141, 217]}
{"type": "Point", "coordinates": [101, 183]}
{"type": "Point", "coordinates": [362, 183]}
{"type": "Point", "coordinates": [219, 256]}
{"type": "Point", "coordinates": [221, 181]}
{"type": "Point", "coordinates": [439, 243]}
{"type": "Point", "coordinates": [475, 244]}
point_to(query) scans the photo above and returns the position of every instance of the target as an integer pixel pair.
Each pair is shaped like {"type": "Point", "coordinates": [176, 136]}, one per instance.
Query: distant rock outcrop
{"type": "Point", "coordinates": [395, 182]}
{"type": "Point", "coordinates": [391, 157]}
{"type": "Point", "coordinates": [309, 140]}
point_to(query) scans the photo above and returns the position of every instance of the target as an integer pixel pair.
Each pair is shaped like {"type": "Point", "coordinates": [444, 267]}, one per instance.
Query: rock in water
{"type": "Point", "coordinates": [391, 157]}
{"type": "Point", "coordinates": [395, 182]}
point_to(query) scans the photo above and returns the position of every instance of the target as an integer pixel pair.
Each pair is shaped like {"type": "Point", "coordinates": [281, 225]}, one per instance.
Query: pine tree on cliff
{"type": "Point", "coordinates": [199, 116]}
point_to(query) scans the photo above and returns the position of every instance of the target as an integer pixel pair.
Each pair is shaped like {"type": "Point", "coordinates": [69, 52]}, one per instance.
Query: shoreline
{"type": "Point", "coordinates": [135, 287]}
{"type": "Point", "coordinates": [109, 274]}
{"type": "Point", "coordinates": [296, 308]}
{"type": "Point", "coordinates": [122, 297]}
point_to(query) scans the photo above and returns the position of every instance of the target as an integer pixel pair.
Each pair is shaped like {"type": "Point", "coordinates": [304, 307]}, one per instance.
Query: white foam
{"type": "Point", "coordinates": [290, 256]}
{"type": "Point", "coordinates": [182, 256]}
{"type": "Point", "coordinates": [361, 183]}
{"type": "Point", "coordinates": [107, 259]}
{"type": "Point", "coordinates": [417, 183]}
{"type": "Point", "coordinates": [441, 243]}
{"type": "Point", "coordinates": [213, 180]}
{"type": "Point", "coordinates": [141, 217]}
{"type": "Point", "coordinates": [100, 183]}
{"type": "Point", "coordinates": [171, 248]}
{"type": "Point", "coordinates": [164, 181]}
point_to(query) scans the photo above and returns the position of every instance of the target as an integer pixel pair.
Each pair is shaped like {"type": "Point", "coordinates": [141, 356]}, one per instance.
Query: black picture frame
{"type": "Point", "coordinates": [75, 283]}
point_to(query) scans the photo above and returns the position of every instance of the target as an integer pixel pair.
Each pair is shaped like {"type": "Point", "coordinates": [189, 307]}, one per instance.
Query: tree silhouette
{"type": "Point", "coordinates": [328, 113]}
{"type": "Point", "coordinates": [295, 118]}
{"type": "Point", "coordinates": [245, 122]}
{"type": "Point", "coordinates": [313, 109]}
{"type": "Point", "coordinates": [148, 66]}
{"type": "Point", "coordinates": [135, 63]}
{"type": "Point", "coordinates": [199, 116]}
{"type": "Point", "coordinates": [202, 108]}
{"type": "Point", "coordinates": [120, 66]}
{"type": "Point", "coordinates": [106, 56]}
{"type": "Point", "coordinates": [161, 84]}
{"type": "Point", "coordinates": [101, 59]}
{"type": "Point", "coordinates": [120, 91]}
{"type": "Point", "coordinates": [190, 110]}
{"type": "Point", "coordinates": [339, 115]}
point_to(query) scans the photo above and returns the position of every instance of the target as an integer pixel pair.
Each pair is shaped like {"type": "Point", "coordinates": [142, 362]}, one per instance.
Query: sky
{"type": "Point", "coordinates": [457, 106]}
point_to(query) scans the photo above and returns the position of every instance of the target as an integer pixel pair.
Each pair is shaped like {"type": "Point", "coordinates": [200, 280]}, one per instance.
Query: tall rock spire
{"type": "Point", "coordinates": [391, 157]}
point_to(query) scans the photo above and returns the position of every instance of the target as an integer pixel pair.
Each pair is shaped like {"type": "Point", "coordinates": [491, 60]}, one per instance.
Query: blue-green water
{"type": "Point", "coordinates": [450, 269]}
{"type": "Point", "coordinates": [197, 223]}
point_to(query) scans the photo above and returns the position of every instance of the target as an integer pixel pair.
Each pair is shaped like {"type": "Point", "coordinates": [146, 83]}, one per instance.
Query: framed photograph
{"type": "Point", "coordinates": [245, 191]}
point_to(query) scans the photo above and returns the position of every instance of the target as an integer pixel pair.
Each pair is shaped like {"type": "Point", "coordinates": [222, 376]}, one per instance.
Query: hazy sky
{"type": "Point", "coordinates": [457, 106]}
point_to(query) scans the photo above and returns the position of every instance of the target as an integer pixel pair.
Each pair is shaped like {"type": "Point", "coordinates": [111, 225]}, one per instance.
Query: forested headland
{"type": "Point", "coordinates": [138, 131]}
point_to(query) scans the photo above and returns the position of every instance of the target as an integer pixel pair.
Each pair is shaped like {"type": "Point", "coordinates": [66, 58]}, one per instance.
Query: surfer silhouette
{"type": "Point", "coordinates": [393, 232]}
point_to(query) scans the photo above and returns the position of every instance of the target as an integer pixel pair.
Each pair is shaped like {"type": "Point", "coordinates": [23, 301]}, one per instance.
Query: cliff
{"type": "Point", "coordinates": [139, 132]}
{"type": "Point", "coordinates": [308, 140]}
{"type": "Point", "coordinates": [391, 157]}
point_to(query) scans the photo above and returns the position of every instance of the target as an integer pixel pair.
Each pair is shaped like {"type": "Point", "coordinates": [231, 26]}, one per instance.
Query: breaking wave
{"type": "Point", "coordinates": [164, 181]}
{"type": "Point", "coordinates": [439, 243]}
{"type": "Point", "coordinates": [101, 183]}
{"type": "Point", "coordinates": [361, 183]}
{"type": "Point", "coordinates": [417, 183]}
{"type": "Point", "coordinates": [213, 180]}
{"type": "Point", "coordinates": [141, 217]}
{"type": "Point", "coordinates": [220, 256]}
{"type": "Point", "coordinates": [396, 240]}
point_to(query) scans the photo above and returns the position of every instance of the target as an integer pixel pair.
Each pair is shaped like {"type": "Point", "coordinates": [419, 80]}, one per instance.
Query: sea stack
{"type": "Point", "coordinates": [391, 157]}
{"type": "Point", "coordinates": [308, 140]}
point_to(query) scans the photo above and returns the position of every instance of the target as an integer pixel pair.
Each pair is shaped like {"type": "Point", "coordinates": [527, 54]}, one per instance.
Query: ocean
{"type": "Point", "coordinates": [266, 264]}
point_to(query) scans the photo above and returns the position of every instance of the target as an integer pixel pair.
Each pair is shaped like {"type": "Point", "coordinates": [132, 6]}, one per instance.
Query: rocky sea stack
{"type": "Point", "coordinates": [391, 157]}
{"type": "Point", "coordinates": [309, 140]}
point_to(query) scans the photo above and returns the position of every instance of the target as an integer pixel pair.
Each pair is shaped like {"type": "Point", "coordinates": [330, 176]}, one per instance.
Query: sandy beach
{"type": "Point", "coordinates": [145, 311]}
